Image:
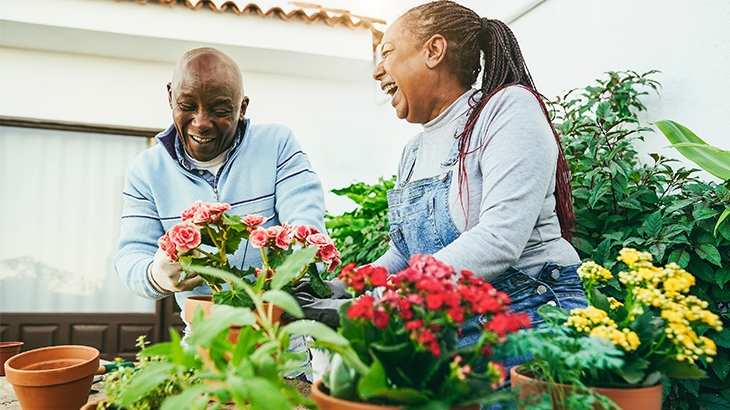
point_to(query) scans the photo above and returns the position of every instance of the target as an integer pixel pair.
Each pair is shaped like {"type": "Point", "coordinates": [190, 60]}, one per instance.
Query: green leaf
{"type": "Point", "coordinates": [681, 370]}
{"type": "Point", "coordinates": [709, 253]}
{"type": "Point", "coordinates": [284, 300]}
{"type": "Point", "coordinates": [721, 364]}
{"type": "Point", "coordinates": [723, 338]}
{"type": "Point", "coordinates": [263, 393]}
{"type": "Point", "coordinates": [712, 401]}
{"type": "Point", "coordinates": [146, 379]}
{"type": "Point", "coordinates": [317, 330]}
{"type": "Point", "coordinates": [374, 385]}
{"type": "Point", "coordinates": [680, 257]}
{"type": "Point", "coordinates": [222, 318]}
{"type": "Point", "coordinates": [722, 276]}
{"type": "Point", "coordinates": [720, 220]}
{"type": "Point", "coordinates": [713, 160]}
{"type": "Point", "coordinates": [342, 380]}
{"type": "Point", "coordinates": [294, 264]}
{"type": "Point", "coordinates": [183, 400]}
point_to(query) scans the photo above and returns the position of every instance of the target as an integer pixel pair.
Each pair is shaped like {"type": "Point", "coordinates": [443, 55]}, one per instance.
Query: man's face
{"type": "Point", "coordinates": [207, 103]}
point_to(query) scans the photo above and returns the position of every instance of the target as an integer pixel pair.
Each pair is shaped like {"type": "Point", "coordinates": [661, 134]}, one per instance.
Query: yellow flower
{"type": "Point", "coordinates": [614, 303]}
{"type": "Point", "coordinates": [592, 272]}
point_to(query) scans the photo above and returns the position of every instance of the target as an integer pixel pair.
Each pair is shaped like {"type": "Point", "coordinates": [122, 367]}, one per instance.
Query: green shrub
{"type": "Point", "coordinates": [361, 235]}
{"type": "Point", "coordinates": [622, 201]}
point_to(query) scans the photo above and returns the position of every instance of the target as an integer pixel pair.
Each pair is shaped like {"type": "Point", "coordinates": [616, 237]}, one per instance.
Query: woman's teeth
{"type": "Point", "coordinates": [200, 140]}
{"type": "Point", "coordinates": [390, 89]}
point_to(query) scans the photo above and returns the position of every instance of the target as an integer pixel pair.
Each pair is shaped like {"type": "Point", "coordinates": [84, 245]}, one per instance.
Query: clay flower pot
{"type": "Point", "coordinates": [641, 398]}
{"type": "Point", "coordinates": [326, 402]}
{"type": "Point", "coordinates": [8, 350]}
{"type": "Point", "coordinates": [53, 378]}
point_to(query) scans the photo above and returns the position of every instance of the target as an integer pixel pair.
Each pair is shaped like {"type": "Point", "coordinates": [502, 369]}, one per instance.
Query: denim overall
{"type": "Point", "coordinates": [420, 223]}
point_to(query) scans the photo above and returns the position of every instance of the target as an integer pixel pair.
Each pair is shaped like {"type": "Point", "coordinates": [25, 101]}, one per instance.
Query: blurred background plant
{"type": "Point", "coordinates": [361, 235]}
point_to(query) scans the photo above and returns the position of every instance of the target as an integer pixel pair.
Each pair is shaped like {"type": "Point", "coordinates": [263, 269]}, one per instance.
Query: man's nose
{"type": "Point", "coordinates": [201, 121]}
{"type": "Point", "coordinates": [379, 71]}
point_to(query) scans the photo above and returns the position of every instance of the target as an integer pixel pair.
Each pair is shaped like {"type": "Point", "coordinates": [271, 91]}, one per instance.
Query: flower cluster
{"type": "Point", "coordinates": [658, 320]}
{"type": "Point", "coordinates": [207, 236]}
{"type": "Point", "coordinates": [596, 322]}
{"type": "Point", "coordinates": [425, 299]}
{"type": "Point", "coordinates": [412, 329]}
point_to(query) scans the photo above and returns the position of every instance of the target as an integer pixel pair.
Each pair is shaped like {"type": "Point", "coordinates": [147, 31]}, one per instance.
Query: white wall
{"type": "Point", "coordinates": [569, 43]}
{"type": "Point", "coordinates": [348, 134]}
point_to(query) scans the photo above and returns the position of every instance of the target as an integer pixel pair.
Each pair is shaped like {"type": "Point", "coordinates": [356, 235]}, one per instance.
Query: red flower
{"type": "Point", "coordinates": [434, 301]}
{"type": "Point", "coordinates": [503, 323]}
{"type": "Point", "coordinates": [381, 318]}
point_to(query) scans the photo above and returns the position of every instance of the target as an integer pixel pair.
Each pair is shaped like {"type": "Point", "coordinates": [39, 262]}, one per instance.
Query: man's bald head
{"type": "Point", "coordinates": [207, 60]}
{"type": "Point", "coordinates": [207, 101]}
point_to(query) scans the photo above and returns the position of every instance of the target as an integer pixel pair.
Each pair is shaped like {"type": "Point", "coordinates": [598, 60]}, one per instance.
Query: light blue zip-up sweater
{"type": "Point", "coordinates": [266, 173]}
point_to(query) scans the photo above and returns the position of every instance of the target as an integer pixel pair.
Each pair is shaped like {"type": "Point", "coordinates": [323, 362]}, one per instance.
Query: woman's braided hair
{"type": "Point", "coordinates": [471, 38]}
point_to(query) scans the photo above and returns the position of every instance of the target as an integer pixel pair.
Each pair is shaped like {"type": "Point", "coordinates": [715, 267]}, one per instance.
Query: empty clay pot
{"type": "Point", "coordinates": [8, 350]}
{"type": "Point", "coordinates": [53, 378]}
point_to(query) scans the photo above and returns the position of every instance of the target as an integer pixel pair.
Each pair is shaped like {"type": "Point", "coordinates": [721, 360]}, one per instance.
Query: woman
{"type": "Point", "coordinates": [485, 186]}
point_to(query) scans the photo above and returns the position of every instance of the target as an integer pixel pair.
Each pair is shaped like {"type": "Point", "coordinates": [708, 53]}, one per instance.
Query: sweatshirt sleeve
{"type": "Point", "coordinates": [518, 172]}
{"type": "Point", "coordinates": [299, 193]}
{"type": "Point", "coordinates": [140, 229]}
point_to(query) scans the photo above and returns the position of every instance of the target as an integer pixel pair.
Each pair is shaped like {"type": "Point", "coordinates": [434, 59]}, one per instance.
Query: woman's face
{"type": "Point", "coordinates": [403, 74]}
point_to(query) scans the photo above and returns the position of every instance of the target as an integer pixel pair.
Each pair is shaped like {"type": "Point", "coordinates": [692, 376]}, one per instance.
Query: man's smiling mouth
{"type": "Point", "coordinates": [200, 140]}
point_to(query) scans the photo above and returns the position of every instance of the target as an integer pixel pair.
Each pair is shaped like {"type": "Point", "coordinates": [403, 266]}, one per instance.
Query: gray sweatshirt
{"type": "Point", "coordinates": [511, 180]}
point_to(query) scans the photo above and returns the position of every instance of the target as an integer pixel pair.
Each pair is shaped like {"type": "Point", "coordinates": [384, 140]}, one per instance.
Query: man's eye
{"type": "Point", "coordinates": [221, 113]}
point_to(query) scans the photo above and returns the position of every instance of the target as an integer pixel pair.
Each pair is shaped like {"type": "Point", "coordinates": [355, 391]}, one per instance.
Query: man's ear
{"type": "Point", "coordinates": [244, 106]}
{"type": "Point", "coordinates": [435, 50]}
{"type": "Point", "coordinates": [169, 94]}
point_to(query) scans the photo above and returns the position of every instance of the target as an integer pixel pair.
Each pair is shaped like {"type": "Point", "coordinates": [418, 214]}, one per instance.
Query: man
{"type": "Point", "coordinates": [212, 153]}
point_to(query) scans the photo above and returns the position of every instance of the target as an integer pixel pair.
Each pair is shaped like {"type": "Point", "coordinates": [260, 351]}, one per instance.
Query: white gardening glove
{"type": "Point", "coordinates": [164, 275]}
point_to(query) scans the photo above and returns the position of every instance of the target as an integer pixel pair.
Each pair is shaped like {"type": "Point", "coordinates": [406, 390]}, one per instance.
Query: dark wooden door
{"type": "Point", "coordinates": [114, 334]}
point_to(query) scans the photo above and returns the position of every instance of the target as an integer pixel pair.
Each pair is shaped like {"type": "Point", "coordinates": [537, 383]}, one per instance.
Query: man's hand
{"type": "Point", "coordinates": [315, 308]}
{"type": "Point", "coordinates": [164, 275]}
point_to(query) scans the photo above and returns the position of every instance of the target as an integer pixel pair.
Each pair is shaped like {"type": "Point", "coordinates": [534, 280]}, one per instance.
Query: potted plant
{"type": "Point", "coordinates": [208, 236]}
{"type": "Point", "coordinates": [245, 374]}
{"type": "Point", "coordinates": [613, 347]}
{"type": "Point", "coordinates": [405, 343]}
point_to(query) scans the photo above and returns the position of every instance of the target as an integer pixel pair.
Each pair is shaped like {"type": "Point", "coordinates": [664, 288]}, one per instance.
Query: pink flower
{"type": "Point", "coordinates": [274, 231]}
{"type": "Point", "coordinates": [319, 239]}
{"type": "Point", "coordinates": [301, 232]}
{"type": "Point", "coordinates": [259, 237]}
{"type": "Point", "coordinates": [168, 246]}
{"type": "Point", "coordinates": [189, 213]}
{"type": "Point", "coordinates": [282, 239]}
{"type": "Point", "coordinates": [202, 215]}
{"type": "Point", "coordinates": [184, 236]}
{"type": "Point", "coordinates": [253, 220]}
{"type": "Point", "coordinates": [217, 207]}
{"type": "Point", "coordinates": [328, 253]}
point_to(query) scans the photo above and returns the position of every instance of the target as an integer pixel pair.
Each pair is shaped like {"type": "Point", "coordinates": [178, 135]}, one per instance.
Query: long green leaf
{"type": "Point", "coordinates": [284, 301]}
{"type": "Point", "coordinates": [292, 266]}
{"type": "Point", "coordinates": [714, 160]}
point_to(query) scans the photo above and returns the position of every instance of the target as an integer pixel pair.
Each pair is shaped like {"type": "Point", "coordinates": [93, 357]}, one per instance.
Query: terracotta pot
{"type": "Point", "coordinates": [642, 398]}
{"type": "Point", "coordinates": [326, 402]}
{"type": "Point", "coordinates": [53, 378]}
{"type": "Point", "coordinates": [8, 350]}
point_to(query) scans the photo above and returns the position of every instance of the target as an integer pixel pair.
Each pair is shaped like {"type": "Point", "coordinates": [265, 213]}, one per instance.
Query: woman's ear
{"type": "Point", "coordinates": [435, 50]}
